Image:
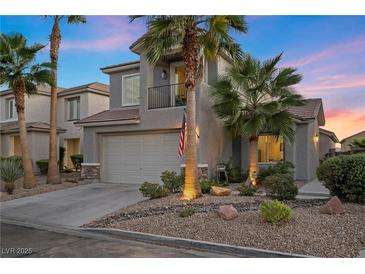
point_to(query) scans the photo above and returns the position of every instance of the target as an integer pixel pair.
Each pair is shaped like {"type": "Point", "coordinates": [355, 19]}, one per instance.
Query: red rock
{"type": "Point", "coordinates": [333, 206]}
{"type": "Point", "coordinates": [227, 212]}
{"type": "Point", "coordinates": [220, 191]}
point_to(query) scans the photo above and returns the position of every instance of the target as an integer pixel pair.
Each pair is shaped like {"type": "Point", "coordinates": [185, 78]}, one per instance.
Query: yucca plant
{"type": "Point", "coordinates": [10, 171]}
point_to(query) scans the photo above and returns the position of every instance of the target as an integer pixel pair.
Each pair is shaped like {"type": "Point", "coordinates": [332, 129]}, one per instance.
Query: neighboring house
{"type": "Point", "coordinates": [327, 143]}
{"type": "Point", "coordinates": [74, 104]}
{"type": "Point", "coordinates": [137, 138]}
{"type": "Point", "coordinates": [345, 143]}
{"type": "Point", "coordinates": [37, 122]}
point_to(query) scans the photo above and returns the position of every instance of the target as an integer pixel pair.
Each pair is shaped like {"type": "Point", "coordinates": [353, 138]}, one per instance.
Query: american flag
{"type": "Point", "coordinates": [182, 136]}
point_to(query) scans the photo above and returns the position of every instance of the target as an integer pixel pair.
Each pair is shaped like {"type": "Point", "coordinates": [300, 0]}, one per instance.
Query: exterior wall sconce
{"type": "Point", "coordinates": [315, 138]}
{"type": "Point", "coordinates": [163, 74]}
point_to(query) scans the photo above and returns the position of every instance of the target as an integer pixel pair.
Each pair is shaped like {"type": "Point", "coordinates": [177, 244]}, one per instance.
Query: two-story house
{"type": "Point", "coordinates": [73, 104]}
{"type": "Point", "coordinates": [37, 123]}
{"type": "Point", "coordinates": [137, 138]}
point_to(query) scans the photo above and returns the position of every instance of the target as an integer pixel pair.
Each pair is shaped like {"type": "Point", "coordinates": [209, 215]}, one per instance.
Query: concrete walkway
{"type": "Point", "coordinates": [73, 206]}
{"type": "Point", "coordinates": [313, 190]}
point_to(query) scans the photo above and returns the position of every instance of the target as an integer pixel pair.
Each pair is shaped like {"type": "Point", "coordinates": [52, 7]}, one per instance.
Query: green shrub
{"type": "Point", "coordinates": [344, 176]}
{"type": "Point", "coordinates": [207, 185]}
{"type": "Point", "coordinates": [275, 212]}
{"type": "Point", "coordinates": [234, 174]}
{"type": "Point", "coordinates": [186, 212]}
{"type": "Point", "coordinates": [153, 191]}
{"type": "Point", "coordinates": [172, 181]}
{"type": "Point", "coordinates": [282, 167]}
{"type": "Point", "coordinates": [247, 190]}
{"type": "Point", "coordinates": [43, 166]}
{"type": "Point", "coordinates": [77, 160]}
{"type": "Point", "coordinates": [62, 158]}
{"type": "Point", "coordinates": [280, 186]}
{"type": "Point", "coordinates": [17, 159]}
{"type": "Point", "coordinates": [10, 171]}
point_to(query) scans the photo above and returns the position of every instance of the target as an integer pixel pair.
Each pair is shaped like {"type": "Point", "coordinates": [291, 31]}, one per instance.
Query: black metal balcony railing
{"type": "Point", "coordinates": [166, 96]}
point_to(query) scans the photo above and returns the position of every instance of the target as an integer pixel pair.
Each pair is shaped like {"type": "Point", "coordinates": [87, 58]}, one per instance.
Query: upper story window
{"type": "Point", "coordinates": [10, 109]}
{"type": "Point", "coordinates": [270, 148]}
{"type": "Point", "coordinates": [130, 90]}
{"type": "Point", "coordinates": [73, 108]}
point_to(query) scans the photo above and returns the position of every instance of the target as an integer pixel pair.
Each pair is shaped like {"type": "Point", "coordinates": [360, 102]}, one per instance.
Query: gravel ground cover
{"type": "Point", "coordinates": [68, 180]}
{"type": "Point", "coordinates": [309, 232]}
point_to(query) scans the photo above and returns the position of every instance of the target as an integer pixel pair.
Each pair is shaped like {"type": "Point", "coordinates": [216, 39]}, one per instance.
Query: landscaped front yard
{"type": "Point", "coordinates": [68, 180]}
{"type": "Point", "coordinates": [308, 232]}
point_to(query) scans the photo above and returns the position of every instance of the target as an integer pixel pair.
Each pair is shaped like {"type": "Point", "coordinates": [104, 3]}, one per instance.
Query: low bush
{"type": "Point", "coordinates": [17, 159]}
{"type": "Point", "coordinates": [77, 160]}
{"type": "Point", "coordinates": [344, 176]}
{"type": "Point", "coordinates": [207, 185]}
{"type": "Point", "coordinates": [280, 186]}
{"type": "Point", "coordinates": [282, 167]}
{"type": "Point", "coordinates": [10, 171]}
{"type": "Point", "coordinates": [275, 212]}
{"type": "Point", "coordinates": [172, 181]}
{"type": "Point", "coordinates": [247, 190]}
{"type": "Point", "coordinates": [186, 212]}
{"type": "Point", "coordinates": [43, 166]}
{"type": "Point", "coordinates": [153, 191]}
{"type": "Point", "coordinates": [234, 174]}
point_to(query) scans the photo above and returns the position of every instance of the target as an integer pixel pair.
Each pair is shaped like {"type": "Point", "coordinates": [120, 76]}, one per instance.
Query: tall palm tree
{"type": "Point", "coordinates": [358, 143]}
{"type": "Point", "coordinates": [18, 71]}
{"type": "Point", "coordinates": [53, 176]}
{"type": "Point", "coordinates": [253, 98]}
{"type": "Point", "coordinates": [199, 37]}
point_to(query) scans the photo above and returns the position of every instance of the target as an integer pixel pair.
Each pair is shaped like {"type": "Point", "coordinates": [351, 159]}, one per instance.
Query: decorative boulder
{"type": "Point", "coordinates": [220, 191]}
{"type": "Point", "coordinates": [333, 206]}
{"type": "Point", "coordinates": [227, 212]}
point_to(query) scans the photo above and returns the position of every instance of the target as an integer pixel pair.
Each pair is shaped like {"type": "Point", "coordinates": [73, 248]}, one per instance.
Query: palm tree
{"type": "Point", "coordinates": [253, 98]}
{"type": "Point", "coordinates": [18, 71]}
{"type": "Point", "coordinates": [199, 36]}
{"type": "Point", "coordinates": [53, 176]}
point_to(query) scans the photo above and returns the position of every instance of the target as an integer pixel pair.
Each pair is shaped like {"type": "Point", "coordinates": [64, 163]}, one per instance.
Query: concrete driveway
{"type": "Point", "coordinates": [73, 206]}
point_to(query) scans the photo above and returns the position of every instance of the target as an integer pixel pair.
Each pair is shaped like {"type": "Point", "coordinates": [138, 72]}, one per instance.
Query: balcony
{"type": "Point", "coordinates": [167, 96]}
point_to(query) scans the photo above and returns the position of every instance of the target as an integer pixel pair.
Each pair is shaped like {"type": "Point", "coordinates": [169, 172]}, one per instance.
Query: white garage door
{"type": "Point", "coordinates": [138, 158]}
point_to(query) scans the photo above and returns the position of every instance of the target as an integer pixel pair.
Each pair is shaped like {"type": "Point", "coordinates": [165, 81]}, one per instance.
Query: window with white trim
{"type": "Point", "coordinates": [73, 109]}
{"type": "Point", "coordinates": [11, 109]}
{"type": "Point", "coordinates": [130, 90]}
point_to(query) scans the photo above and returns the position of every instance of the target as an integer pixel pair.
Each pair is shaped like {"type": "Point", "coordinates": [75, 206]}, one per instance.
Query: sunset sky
{"type": "Point", "coordinates": [328, 50]}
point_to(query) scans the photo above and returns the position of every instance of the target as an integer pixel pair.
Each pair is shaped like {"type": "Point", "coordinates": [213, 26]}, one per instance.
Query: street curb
{"type": "Point", "coordinates": [194, 244]}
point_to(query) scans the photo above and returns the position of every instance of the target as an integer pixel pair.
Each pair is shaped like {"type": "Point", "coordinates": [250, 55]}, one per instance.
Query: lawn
{"type": "Point", "coordinates": [308, 232]}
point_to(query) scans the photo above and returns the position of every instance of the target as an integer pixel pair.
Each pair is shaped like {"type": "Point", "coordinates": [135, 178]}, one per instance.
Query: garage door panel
{"type": "Point", "coordinates": [139, 158]}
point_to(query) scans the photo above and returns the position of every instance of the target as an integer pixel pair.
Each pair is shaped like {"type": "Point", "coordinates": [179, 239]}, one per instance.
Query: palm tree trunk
{"type": "Point", "coordinates": [29, 179]}
{"type": "Point", "coordinates": [53, 176]}
{"type": "Point", "coordinates": [191, 59]}
{"type": "Point", "coordinates": [253, 160]}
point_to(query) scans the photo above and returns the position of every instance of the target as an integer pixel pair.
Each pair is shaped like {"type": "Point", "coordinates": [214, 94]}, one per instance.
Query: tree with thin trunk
{"type": "Point", "coordinates": [253, 98]}
{"type": "Point", "coordinates": [53, 176]}
{"type": "Point", "coordinates": [200, 37]}
{"type": "Point", "coordinates": [22, 75]}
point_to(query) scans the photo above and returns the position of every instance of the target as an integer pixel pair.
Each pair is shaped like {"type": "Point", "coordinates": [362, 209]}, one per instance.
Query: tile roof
{"type": "Point", "coordinates": [330, 134]}
{"type": "Point", "coordinates": [111, 115]}
{"type": "Point", "coordinates": [353, 135]}
{"type": "Point", "coordinates": [13, 126]}
{"type": "Point", "coordinates": [121, 65]}
{"type": "Point", "coordinates": [310, 110]}
{"type": "Point", "coordinates": [93, 86]}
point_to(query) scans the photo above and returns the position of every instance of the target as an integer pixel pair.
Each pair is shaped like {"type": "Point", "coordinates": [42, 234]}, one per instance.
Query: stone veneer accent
{"type": "Point", "coordinates": [202, 171]}
{"type": "Point", "coordinates": [90, 171]}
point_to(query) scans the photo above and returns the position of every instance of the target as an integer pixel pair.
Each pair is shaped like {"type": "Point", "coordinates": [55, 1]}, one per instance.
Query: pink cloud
{"type": "Point", "coordinates": [350, 47]}
{"type": "Point", "coordinates": [341, 81]}
{"type": "Point", "coordinates": [345, 123]}
{"type": "Point", "coordinates": [108, 33]}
